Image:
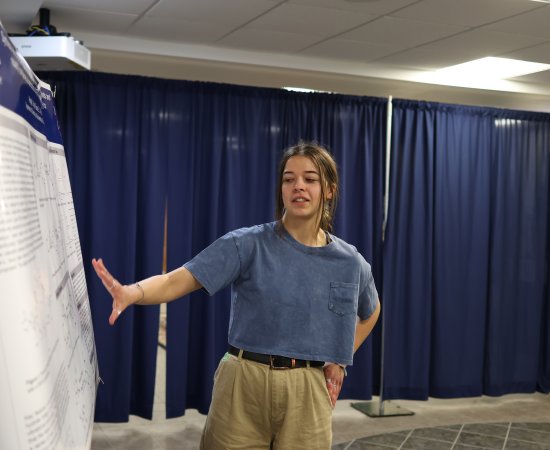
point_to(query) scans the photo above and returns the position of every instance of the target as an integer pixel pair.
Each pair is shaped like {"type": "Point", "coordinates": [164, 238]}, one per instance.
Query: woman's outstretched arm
{"type": "Point", "coordinates": [151, 291]}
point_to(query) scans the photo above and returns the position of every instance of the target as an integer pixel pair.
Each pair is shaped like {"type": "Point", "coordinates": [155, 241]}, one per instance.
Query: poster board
{"type": "Point", "coordinates": [48, 363]}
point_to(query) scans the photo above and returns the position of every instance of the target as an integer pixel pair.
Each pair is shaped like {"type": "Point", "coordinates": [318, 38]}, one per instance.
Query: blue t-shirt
{"type": "Point", "coordinates": [287, 298]}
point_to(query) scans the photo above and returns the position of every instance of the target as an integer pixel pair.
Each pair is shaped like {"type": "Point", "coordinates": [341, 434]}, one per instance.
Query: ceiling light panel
{"type": "Point", "coordinates": [492, 68]}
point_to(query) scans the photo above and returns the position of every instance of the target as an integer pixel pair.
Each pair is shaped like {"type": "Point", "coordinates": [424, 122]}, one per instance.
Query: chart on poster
{"type": "Point", "coordinates": [48, 364]}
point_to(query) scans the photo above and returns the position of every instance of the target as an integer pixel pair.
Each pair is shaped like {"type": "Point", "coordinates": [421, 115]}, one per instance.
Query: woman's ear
{"type": "Point", "coordinates": [330, 192]}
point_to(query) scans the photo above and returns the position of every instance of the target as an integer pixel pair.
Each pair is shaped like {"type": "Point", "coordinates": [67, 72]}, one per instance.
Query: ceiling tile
{"type": "Point", "coordinates": [177, 30]}
{"type": "Point", "coordinates": [478, 44]}
{"type": "Point", "coordinates": [422, 60]}
{"type": "Point", "coordinates": [349, 50]}
{"type": "Point", "coordinates": [465, 12]}
{"type": "Point", "coordinates": [265, 40]}
{"type": "Point", "coordinates": [374, 7]}
{"type": "Point", "coordinates": [18, 15]}
{"type": "Point", "coordinates": [321, 22]}
{"type": "Point", "coordinates": [405, 32]}
{"type": "Point", "coordinates": [537, 53]}
{"type": "Point", "coordinates": [231, 13]}
{"type": "Point", "coordinates": [539, 77]}
{"type": "Point", "coordinates": [119, 6]}
{"type": "Point", "coordinates": [532, 23]}
{"type": "Point", "coordinates": [71, 20]}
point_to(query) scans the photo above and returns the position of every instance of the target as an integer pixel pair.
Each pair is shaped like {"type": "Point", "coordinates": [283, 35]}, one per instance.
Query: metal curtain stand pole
{"type": "Point", "coordinates": [381, 408]}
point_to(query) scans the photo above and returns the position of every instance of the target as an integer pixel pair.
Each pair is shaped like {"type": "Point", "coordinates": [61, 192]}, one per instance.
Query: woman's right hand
{"type": "Point", "coordinates": [123, 296]}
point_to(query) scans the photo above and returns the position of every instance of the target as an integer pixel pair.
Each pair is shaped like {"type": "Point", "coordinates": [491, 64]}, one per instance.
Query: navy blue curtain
{"type": "Point", "coordinates": [117, 172]}
{"type": "Point", "coordinates": [464, 282]}
{"type": "Point", "coordinates": [210, 151]}
{"type": "Point", "coordinates": [465, 259]}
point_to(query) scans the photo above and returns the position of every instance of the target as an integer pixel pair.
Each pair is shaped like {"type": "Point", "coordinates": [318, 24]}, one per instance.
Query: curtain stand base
{"type": "Point", "coordinates": [375, 409]}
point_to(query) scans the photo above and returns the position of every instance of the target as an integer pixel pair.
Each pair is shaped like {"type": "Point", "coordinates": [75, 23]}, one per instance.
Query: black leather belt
{"type": "Point", "coordinates": [274, 361]}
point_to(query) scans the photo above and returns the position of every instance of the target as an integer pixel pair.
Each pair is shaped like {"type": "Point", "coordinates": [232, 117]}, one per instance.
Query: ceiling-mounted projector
{"type": "Point", "coordinates": [53, 52]}
{"type": "Point", "coordinates": [44, 48]}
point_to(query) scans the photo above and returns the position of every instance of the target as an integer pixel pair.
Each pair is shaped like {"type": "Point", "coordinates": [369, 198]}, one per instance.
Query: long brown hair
{"type": "Point", "coordinates": [328, 173]}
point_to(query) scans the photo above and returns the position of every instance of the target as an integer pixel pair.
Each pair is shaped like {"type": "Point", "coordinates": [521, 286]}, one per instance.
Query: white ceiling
{"type": "Point", "coordinates": [387, 39]}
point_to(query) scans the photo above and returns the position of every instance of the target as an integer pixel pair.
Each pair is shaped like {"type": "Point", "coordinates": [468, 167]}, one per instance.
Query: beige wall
{"type": "Point", "coordinates": [242, 74]}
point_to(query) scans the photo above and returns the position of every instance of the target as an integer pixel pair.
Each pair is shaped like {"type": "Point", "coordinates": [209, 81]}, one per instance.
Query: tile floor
{"type": "Point", "coordinates": [516, 421]}
{"type": "Point", "coordinates": [472, 436]}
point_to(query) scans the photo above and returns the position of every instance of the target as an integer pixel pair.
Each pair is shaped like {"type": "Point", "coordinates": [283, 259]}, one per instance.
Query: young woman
{"type": "Point", "coordinates": [297, 291]}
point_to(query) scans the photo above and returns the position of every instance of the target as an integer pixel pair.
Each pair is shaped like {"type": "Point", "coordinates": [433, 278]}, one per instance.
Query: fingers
{"type": "Point", "coordinates": [100, 270]}
{"type": "Point", "coordinates": [334, 374]}
{"type": "Point", "coordinates": [333, 390]}
{"type": "Point", "coordinates": [105, 276]}
{"type": "Point", "coordinates": [108, 280]}
{"type": "Point", "coordinates": [334, 379]}
{"type": "Point", "coordinates": [333, 383]}
{"type": "Point", "coordinates": [113, 286]}
{"type": "Point", "coordinates": [118, 309]}
{"type": "Point", "coordinates": [114, 315]}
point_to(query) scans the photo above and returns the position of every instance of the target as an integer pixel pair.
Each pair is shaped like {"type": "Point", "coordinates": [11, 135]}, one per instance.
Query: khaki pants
{"type": "Point", "coordinates": [255, 407]}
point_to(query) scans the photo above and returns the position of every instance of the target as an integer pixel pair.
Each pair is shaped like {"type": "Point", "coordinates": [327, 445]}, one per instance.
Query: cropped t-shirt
{"type": "Point", "coordinates": [287, 298]}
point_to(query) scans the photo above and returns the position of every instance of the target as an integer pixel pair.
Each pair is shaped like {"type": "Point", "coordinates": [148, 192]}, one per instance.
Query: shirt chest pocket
{"type": "Point", "coordinates": [343, 297]}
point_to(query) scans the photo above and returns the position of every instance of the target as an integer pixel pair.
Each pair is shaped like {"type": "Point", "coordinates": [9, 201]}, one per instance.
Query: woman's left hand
{"type": "Point", "coordinates": [334, 377]}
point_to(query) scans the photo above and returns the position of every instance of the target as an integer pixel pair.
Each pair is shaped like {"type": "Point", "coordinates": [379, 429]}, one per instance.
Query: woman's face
{"type": "Point", "coordinates": [301, 188]}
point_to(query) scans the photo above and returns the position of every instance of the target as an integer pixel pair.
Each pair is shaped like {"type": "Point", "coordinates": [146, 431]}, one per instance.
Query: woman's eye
{"type": "Point", "coordinates": [311, 180]}
{"type": "Point", "coordinates": [287, 180]}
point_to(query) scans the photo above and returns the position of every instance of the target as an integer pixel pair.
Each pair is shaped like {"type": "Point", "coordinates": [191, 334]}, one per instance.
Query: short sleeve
{"type": "Point", "coordinates": [218, 265]}
{"type": "Point", "coordinates": [368, 296]}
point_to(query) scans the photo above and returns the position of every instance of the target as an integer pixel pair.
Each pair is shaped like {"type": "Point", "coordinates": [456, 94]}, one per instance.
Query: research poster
{"type": "Point", "coordinates": [48, 364]}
